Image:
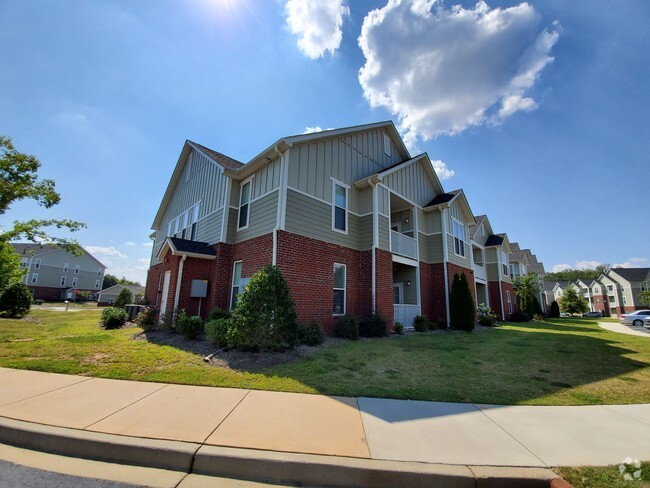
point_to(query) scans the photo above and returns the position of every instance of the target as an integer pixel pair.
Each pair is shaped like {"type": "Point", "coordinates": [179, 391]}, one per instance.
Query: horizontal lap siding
{"type": "Point", "coordinates": [431, 248]}
{"type": "Point", "coordinates": [262, 219]}
{"type": "Point", "coordinates": [454, 258]}
{"type": "Point", "coordinates": [209, 228]}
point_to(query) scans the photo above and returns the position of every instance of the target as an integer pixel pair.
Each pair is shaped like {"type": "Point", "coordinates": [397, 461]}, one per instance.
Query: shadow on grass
{"type": "Point", "coordinates": [173, 339]}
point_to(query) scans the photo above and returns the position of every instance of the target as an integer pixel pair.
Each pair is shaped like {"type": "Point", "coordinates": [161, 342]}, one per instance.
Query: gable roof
{"type": "Point", "coordinates": [225, 161]}
{"type": "Point", "coordinates": [132, 288]}
{"type": "Point", "coordinates": [181, 247]}
{"type": "Point", "coordinates": [632, 274]}
{"type": "Point", "coordinates": [444, 199]}
{"type": "Point", "coordinates": [473, 229]}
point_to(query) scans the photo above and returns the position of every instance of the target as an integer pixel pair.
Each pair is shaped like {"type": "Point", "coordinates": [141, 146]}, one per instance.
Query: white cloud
{"type": "Point", "coordinates": [587, 264]}
{"type": "Point", "coordinates": [443, 172]}
{"type": "Point", "coordinates": [317, 23]}
{"type": "Point", "coordinates": [561, 267]}
{"type": "Point", "coordinates": [106, 251]}
{"type": "Point", "coordinates": [147, 244]}
{"type": "Point", "coordinates": [632, 263]}
{"type": "Point", "coordinates": [311, 130]}
{"type": "Point", "coordinates": [130, 244]}
{"type": "Point", "coordinates": [445, 70]}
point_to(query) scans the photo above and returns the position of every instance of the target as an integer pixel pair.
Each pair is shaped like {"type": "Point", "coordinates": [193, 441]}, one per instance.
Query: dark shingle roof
{"type": "Point", "coordinates": [222, 159]}
{"type": "Point", "coordinates": [494, 240]}
{"type": "Point", "coordinates": [473, 228]}
{"type": "Point", "coordinates": [29, 249]}
{"type": "Point", "coordinates": [194, 247]}
{"type": "Point", "coordinates": [632, 274]}
{"type": "Point", "coordinates": [440, 199]}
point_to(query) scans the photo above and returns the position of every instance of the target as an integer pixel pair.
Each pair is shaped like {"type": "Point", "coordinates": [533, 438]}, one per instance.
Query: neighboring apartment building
{"type": "Point", "coordinates": [491, 272]}
{"type": "Point", "coordinates": [524, 262]}
{"type": "Point", "coordinates": [354, 223]}
{"type": "Point", "coordinates": [625, 284]}
{"type": "Point", "coordinates": [51, 272]}
{"type": "Point", "coordinates": [108, 296]}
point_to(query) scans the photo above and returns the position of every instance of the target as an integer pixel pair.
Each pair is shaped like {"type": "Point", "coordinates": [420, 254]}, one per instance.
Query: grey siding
{"type": "Point", "coordinates": [383, 198]}
{"type": "Point", "coordinates": [454, 258]}
{"type": "Point", "coordinates": [264, 181]}
{"type": "Point", "coordinates": [313, 218]}
{"type": "Point", "coordinates": [412, 182]}
{"type": "Point", "coordinates": [431, 248]}
{"type": "Point", "coordinates": [361, 200]}
{"type": "Point", "coordinates": [209, 229]}
{"type": "Point", "coordinates": [384, 233]}
{"type": "Point", "coordinates": [429, 222]}
{"type": "Point", "coordinates": [51, 271]}
{"type": "Point", "coordinates": [262, 219]}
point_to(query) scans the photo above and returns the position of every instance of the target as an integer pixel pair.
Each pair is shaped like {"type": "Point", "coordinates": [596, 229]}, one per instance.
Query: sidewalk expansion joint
{"type": "Point", "coordinates": [46, 392]}
{"type": "Point", "coordinates": [226, 417]}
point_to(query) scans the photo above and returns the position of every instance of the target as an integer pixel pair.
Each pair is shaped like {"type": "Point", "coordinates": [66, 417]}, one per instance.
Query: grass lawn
{"type": "Point", "coordinates": [557, 362]}
{"type": "Point", "coordinates": [604, 477]}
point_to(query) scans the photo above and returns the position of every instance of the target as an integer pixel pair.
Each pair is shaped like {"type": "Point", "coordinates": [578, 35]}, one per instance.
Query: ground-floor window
{"type": "Point", "coordinates": [509, 300]}
{"type": "Point", "coordinates": [236, 283]}
{"type": "Point", "coordinates": [338, 305]}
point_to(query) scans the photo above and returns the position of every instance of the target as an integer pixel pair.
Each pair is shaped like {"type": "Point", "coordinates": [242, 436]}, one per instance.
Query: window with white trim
{"type": "Point", "coordinates": [23, 263]}
{"type": "Point", "coordinates": [37, 264]}
{"type": "Point", "coordinates": [338, 301]}
{"type": "Point", "coordinates": [34, 278]}
{"type": "Point", "coordinates": [99, 271]}
{"type": "Point", "coordinates": [244, 205]}
{"type": "Point", "coordinates": [644, 286]}
{"type": "Point", "coordinates": [339, 207]}
{"type": "Point", "coordinates": [236, 282]}
{"type": "Point", "coordinates": [459, 237]}
{"type": "Point", "coordinates": [509, 301]}
{"type": "Point", "coordinates": [66, 266]}
{"type": "Point", "coordinates": [75, 280]}
{"type": "Point", "coordinates": [504, 263]}
{"type": "Point", "coordinates": [97, 284]}
{"type": "Point", "coordinates": [77, 267]}
{"type": "Point", "coordinates": [386, 144]}
{"type": "Point", "coordinates": [63, 278]}
{"type": "Point", "coordinates": [184, 226]}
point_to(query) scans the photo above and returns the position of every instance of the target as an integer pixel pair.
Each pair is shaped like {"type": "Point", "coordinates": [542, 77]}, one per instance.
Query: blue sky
{"type": "Point", "coordinates": [540, 110]}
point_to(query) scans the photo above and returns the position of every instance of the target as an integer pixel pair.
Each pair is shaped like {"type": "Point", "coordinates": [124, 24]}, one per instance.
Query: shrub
{"type": "Point", "coordinates": [123, 299]}
{"type": "Point", "coordinates": [347, 328]}
{"type": "Point", "coordinates": [486, 316]}
{"type": "Point", "coordinates": [217, 331]}
{"type": "Point", "coordinates": [16, 300]}
{"type": "Point", "coordinates": [372, 326]}
{"type": "Point", "coordinates": [310, 334]}
{"type": "Point", "coordinates": [264, 317]}
{"type": "Point", "coordinates": [167, 320]}
{"type": "Point", "coordinates": [554, 312]}
{"type": "Point", "coordinates": [439, 324]}
{"type": "Point", "coordinates": [398, 328]}
{"type": "Point", "coordinates": [519, 317]}
{"type": "Point", "coordinates": [218, 313]}
{"type": "Point", "coordinates": [538, 317]}
{"type": "Point", "coordinates": [113, 317]}
{"type": "Point", "coordinates": [148, 318]}
{"type": "Point", "coordinates": [421, 323]}
{"type": "Point", "coordinates": [461, 304]}
{"type": "Point", "coordinates": [189, 327]}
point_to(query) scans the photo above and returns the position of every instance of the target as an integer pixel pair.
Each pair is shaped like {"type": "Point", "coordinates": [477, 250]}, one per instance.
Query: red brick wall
{"type": "Point", "coordinates": [47, 292]}
{"type": "Point", "coordinates": [432, 291]}
{"type": "Point", "coordinates": [384, 286]}
{"type": "Point", "coordinates": [155, 281]}
{"type": "Point", "coordinates": [495, 298]}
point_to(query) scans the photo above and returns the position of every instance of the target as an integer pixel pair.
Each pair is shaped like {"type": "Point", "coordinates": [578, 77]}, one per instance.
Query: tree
{"type": "Point", "coordinates": [554, 312]}
{"type": "Point", "coordinates": [577, 274]}
{"type": "Point", "coordinates": [124, 298]}
{"type": "Point", "coordinates": [112, 280]}
{"type": "Point", "coordinates": [462, 312]}
{"type": "Point", "coordinates": [10, 270]}
{"type": "Point", "coordinates": [572, 302]}
{"type": "Point", "coordinates": [18, 181]}
{"type": "Point", "coordinates": [16, 300]}
{"type": "Point", "coordinates": [645, 297]}
{"type": "Point", "coordinates": [526, 289]}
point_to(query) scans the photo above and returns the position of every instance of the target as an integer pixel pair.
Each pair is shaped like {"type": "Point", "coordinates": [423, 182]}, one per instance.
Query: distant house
{"type": "Point", "coordinates": [624, 286]}
{"type": "Point", "coordinates": [52, 272]}
{"type": "Point", "coordinates": [524, 262]}
{"type": "Point", "coordinates": [108, 296]}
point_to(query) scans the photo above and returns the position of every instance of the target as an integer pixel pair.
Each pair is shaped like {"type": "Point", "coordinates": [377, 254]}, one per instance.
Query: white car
{"type": "Point", "coordinates": [646, 322]}
{"type": "Point", "coordinates": [635, 318]}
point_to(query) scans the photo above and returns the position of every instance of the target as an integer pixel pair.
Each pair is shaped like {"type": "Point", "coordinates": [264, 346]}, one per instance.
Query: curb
{"type": "Point", "coordinates": [264, 466]}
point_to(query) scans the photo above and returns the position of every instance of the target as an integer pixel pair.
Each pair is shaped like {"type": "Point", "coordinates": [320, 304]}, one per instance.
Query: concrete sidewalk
{"type": "Point", "coordinates": [213, 424]}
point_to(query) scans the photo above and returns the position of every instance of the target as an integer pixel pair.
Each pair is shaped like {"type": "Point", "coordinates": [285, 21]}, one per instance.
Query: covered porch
{"type": "Point", "coordinates": [406, 293]}
{"type": "Point", "coordinates": [402, 228]}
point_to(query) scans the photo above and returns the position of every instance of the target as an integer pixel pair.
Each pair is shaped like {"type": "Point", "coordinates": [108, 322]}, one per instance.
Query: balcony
{"type": "Point", "coordinates": [405, 313]}
{"type": "Point", "coordinates": [403, 245]}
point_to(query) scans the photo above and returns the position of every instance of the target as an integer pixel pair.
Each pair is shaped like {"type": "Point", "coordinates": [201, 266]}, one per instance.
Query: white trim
{"type": "Point", "coordinates": [390, 190]}
{"type": "Point", "coordinates": [408, 261]}
{"type": "Point", "coordinates": [77, 268]}
{"type": "Point", "coordinates": [263, 195]}
{"type": "Point", "coordinates": [232, 282]}
{"type": "Point", "coordinates": [454, 219]}
{"type": "Point", "coordinates": [345, 288]}
{"type": "Point", "coordinates": [247, 181]}
{"type": "Point", "coordinates": [37, 263]}
{"type": "Point", "coordinates": [63, 280]}
{"type": "Point", "coordinates": [429, 233]}
{"type": "Point", "coordinates": [226, 211]}
{"type": "Point", "coordinates": [75, 281]}
{"type": "Point", "coordinates": [34, 279]}
{"type": "Point", "coordinates": [282, 198]}
{"type": "Point", "coordinates": [179, 280]}
{"type": "Point", "coordinates": [336, 183]}
{"type": "Point", "coordinates": [66, 267]}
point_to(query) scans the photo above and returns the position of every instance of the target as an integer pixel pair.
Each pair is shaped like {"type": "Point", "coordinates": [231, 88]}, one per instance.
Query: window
{"type": "Point", "coordinates": [184, 226]}
{"type": "Point", "coordinates": [195, 219]}
{"type": "Point", "coordinates": [610, 287]}
{"type": "Point", "coordinates": [509, 300]}
{"type": "Point", "coordinates": [62, 281]}
{"type": "Point", "coordinates": [624, 301]}
{"type": "Point", "coordinates": [644, 286]}
{"type": "Point", "coordinates": [236, 283]}
{"type": "Point", "coordinates": [386, 144]}
{"type": "Point", "coordinates": [338, 302]}
{"type": "Point", "coordinates": [612, 299]}
{"type": "Point", "coordinates": [459, 238]}
{"type": "Point", "coordinates": [598, 300]}
{"type": "Point", "coordinates": [244, 205]}
{"type": "Point", "coordinates": [65, 267]}
{"type": "Point", "coordinates": [512, 271]}
{"type": "Point", "coordinates": [339, 207]}
{"type": "Point", "coordinates": [77, 267]}
{"type": "Point", "coordinates": [23, 263]}
{"type": "Point", "coordinates": [97, 284]}
{"type": "Point", "coordinates": [504, 263]}
{"type": "Point", "coordinates": [75, 281]}
{"type": "Point", "coordinates": [37, 264]}
{"type": "Point", "coordinates": [34, 278]}
{"type": "Point", "coordinates": [99, 271]}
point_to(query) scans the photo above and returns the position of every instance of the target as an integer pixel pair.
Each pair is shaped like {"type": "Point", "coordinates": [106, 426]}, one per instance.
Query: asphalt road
{"type": "Point", "coordinates": [16, 476]}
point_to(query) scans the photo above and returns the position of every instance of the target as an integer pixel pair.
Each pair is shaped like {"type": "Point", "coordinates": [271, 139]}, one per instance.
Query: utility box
{"type": "Point", "coordinates": [199, 289]}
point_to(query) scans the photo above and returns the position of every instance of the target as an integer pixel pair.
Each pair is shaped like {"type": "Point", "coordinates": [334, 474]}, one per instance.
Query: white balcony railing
{"type": "Point", "coordinates": [479, 272]}
{"type": "Point", "coordinates": [405, 314]}
{"type": "Point", "coordinates": [403, 245]}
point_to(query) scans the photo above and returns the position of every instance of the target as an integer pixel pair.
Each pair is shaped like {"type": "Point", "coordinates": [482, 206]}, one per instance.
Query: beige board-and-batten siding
{"type": "Point", "coordinates": [412, 182]}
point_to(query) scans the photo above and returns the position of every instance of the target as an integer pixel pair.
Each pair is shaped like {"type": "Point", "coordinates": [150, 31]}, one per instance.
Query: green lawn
{"type": "Point", "coordinates": [558, 362]}
{"type": "Point", "coordinates": [604, 477]}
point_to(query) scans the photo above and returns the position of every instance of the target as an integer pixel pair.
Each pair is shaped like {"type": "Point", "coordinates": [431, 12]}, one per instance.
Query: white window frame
{"type": "Point", "coordinates": [99, 271]}
{"type": "Point", "coordinates": [63, 280]}
{"type": "Point", "coordinates": [344, 289]}
{"type": "Point", "coordinates": [75, 280]}
{"type": "Point", "coordinates": [97, 284]}
{"type": "Point", "coordinates": [504, 263]}
{"type": "Point", "coordinates": [34, 279]}
{"type": "Point", "coordinates": [37, 264]}
{"type": "Point", "coordinates": [454, 220]}
{"type": "Point", "coordinates": [23, 263]}
{"type": "Point", "coordinates": [248, 181]}
{"type": "Point", "coordinates": [77, 268]}
{"type": "Point", "coordinates": [386, 144]}
{"type": "Point", "coordinates": [336, 183]}
{"type": "Point", "coordinates": [509, 301]}
{"type": "Point", "coordinates": [238, 285]}
{"type": "Point", "coordinates": [66, 266]}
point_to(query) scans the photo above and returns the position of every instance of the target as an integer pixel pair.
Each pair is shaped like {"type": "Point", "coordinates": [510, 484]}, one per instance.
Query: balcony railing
{"type": "Point", "coordinates": [479, 272]}
{"type": "Point", "coordinates": [403, 245]}
{"type": "Point", "coordinates": [405, 314]}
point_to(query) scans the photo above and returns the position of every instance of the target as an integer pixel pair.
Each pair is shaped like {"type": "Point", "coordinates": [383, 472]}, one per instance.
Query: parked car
{"type": "Point", "coordinates": [564, 314]}
{"type": "Point", "coordinates": [646, 322]}
{"type": "Point", "coordinates": [592, 315]}
{"type": "Point", "coordinates": [635, 318]}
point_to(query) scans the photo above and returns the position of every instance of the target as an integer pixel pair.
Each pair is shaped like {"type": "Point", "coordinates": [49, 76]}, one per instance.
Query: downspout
{"type": "Point", "coordinates": [591, 303]}
{"type": "Point", "coordinates": [445, 258]}
{"type": "Point", "coordinates": [178, 281]}
{"type": "Point", "coordinates": [375, 243]}
{"type": "Point", "coordinates": [503, 310]}
{"type": "Point", "coordinates": [282, 201]}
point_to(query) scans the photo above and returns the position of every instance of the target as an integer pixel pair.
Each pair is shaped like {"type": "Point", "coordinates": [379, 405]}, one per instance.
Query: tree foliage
{"type": "Point", "coordinates": [10, 270]}
{"type": "Point", "coordinates": [16, 300]}
{"type": "Point", "coordinates": [554, 312]}
{"type": "Point", "coordinates": [18, 181]}
{"type": "Point", "coordinates": [123, 299]}
{"type": "Point", "coordinates": [572, 302]}
{"type": "Point", "coordinates": [577, 274]}
{"type": "Point", "coordinates": [526, 289]}
{"type": "Point", "coordinates": [461, 304]}
{"type": "Point", "coordinates": [645, 297]}
{"type": "Point", "coordinates": [112, 280]}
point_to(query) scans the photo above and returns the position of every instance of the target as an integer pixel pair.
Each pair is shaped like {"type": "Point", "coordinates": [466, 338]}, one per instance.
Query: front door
{"type": "Point", "coordinates": [165, 292]}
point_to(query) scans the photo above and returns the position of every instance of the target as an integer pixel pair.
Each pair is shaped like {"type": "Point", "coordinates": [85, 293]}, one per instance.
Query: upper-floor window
{"type": "Point", "coordinates": [183, 226]}
{"type": "Point", "coordinates": [34, 278]}
{"type": "Point", "coordinates": [387, 144]}
{"type": "Point", "coordinates": [65, 267]}
{"type": "Point", "coordinates": [23, 263]}
{"type": "Point", "coordinates": [504, 263]}
{"type": "Point", "coordinates": [77, 267]}
{"type": "Point", "coordinates": [244, 205]}
{"type": "Point", "coordinates": [97, 284]}
{"type": "Point", "coordinates": [37, 264]}
{"type": "Point", "coordinates": [459, 237]}
{"type": "Point", "coordinates": [596, 289]}
{"type": "Point", "coordinates": [99, 271]}
{"type": "Point", "coordinates": [338, 301]}
{"type": "Point", "coordinates": [339, 207]}
{"type": "Point", "coordinates": [644, 286]}
{"type": "Point", "coordinates": [509, 301]}
{"type": "Point", "coordinates": [610, 287]}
